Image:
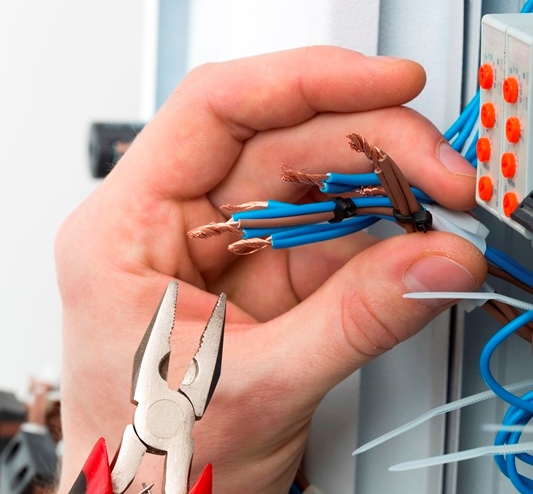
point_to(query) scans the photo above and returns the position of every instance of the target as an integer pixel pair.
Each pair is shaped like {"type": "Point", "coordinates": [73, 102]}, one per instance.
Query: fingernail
{"type": "Point", "coordinates": [437, 274]}
{"type": "Point", "coordinates": [453, 161]}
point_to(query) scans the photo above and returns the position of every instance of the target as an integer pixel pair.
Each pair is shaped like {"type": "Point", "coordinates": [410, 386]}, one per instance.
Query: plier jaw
{"type": "Point", "coordinates": [164, 418]}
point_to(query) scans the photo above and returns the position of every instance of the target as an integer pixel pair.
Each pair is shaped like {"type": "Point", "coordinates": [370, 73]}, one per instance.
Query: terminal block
{"type": "Point", "coordinates": [505, 168]}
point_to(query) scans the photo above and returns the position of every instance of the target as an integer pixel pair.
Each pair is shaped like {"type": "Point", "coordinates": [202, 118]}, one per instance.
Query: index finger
{"type": "Point", "coordinates": [190, 146]}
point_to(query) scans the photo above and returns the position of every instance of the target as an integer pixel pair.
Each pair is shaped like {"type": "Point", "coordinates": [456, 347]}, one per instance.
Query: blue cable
{"type": "Point", "coordinates": [521, 410]}
{"type": "Point", "coordinates": [527, 8]}
{"type": "Point", "coordinates": [322, 232]}
{"type": "Point", "coordinates": [486, 354]}
{"type": "Point", "coordinates": [469, 125]}
{"type": "Point", "coordinates": [470, 154]}
{"type": "Point", "coordinates": [514, 268]}
{"type": "Point", "coordinates": [354, 179]}
{"type": "Point", "coordinates": [463, 117]}
{"type": "Point", "coordinates": [302, 209]}
{"type": "Point", "coordinates": [519, 413]}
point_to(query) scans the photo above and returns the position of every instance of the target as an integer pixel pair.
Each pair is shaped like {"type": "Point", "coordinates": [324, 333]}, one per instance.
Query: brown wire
{"type": "Point", "coordinates": [302, 219]}
{"type": "Point", "coordinates": [392, 179]}
{"type": "Point", "coordinates": [504, 275]}
{"type": "Point", "coordinates": [504, 313]}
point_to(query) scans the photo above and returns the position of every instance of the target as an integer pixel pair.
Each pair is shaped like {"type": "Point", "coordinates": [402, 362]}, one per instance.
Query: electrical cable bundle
{"type": "Point", "coordinates": [367, 198]}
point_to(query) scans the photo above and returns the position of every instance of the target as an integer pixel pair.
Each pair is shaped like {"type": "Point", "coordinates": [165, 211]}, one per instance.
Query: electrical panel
{"type": "Point", "coordinates": [505, 175]}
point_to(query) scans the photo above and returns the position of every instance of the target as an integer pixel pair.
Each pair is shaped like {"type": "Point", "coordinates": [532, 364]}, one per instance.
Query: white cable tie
{"type": "Point", "coordinates": [440, 410]}
{"type": "Point", "coordinates": [469, 305]}
{"type": "Point", "coordinates": [460, 223]}
{"type": "Point", "coordinates": [524, 429]}
{"type": "Point", "coordinates": [506, 449]}
{"type": "Point", "coordinates": [472, 296]}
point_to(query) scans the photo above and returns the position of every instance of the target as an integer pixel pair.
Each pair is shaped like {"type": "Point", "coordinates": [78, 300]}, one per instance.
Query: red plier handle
{"type": "Point", "coordinates": [95, 476]}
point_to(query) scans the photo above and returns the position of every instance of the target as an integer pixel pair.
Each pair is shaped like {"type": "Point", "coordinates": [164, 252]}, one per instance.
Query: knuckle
{"type": "Point", "coordinates": [365, 328]}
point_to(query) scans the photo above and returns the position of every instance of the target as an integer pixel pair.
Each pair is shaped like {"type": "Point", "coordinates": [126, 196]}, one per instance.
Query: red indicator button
{"type": "Point", "coordinates": [510, 203]}
{"type": "Point", "coordinates": [512, 129]}
{"type": "Point", "coordinates": [508, 165]}
{"type": "Point", "coordinates": [488, 115]}
{"type": "Point", "coordinates": [483, 149]}
{"type": "Point", "coordinates": [486, 76]}
{"type": "Point", "coordinates": [484, 188]}
{"type": "Point", "coordinates": [510, 90]}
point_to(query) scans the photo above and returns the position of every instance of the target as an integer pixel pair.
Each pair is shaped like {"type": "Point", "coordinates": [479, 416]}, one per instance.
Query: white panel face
{"type": "Point", "coordinates": [492, 74]}
{"type": "Point", "coordinates": [504, 176]}
{"type": "Point", "coordinates": [518, 183]}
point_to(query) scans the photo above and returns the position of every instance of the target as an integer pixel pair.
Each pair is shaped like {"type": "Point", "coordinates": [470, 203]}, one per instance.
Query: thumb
{"type": "Point", "coordinates": [360, 312]}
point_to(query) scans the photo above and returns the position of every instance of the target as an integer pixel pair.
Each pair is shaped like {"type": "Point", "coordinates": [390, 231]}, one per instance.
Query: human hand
{"type": "Point", "coordinates": [298, 321]}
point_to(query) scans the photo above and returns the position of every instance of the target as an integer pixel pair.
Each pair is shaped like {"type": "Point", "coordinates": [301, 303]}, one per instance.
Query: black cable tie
{"type": "Point", "coordinates": [344, 208]}
{"type": "Point", "coordinates": [421, 219]}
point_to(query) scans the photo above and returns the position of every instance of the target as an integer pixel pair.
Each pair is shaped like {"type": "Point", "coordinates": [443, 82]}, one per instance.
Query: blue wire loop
{"type": "Point", "coordinates": [519, 413]}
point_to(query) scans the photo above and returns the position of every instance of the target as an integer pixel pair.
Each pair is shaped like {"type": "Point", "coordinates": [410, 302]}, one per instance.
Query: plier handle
{"type": "Point", "coordinates": [164, 418]}
{"type": "Point", "coordinates": [95, 477]}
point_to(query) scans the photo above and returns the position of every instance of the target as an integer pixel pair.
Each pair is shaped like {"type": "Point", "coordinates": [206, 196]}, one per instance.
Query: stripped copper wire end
{"type": "Point", "coordinates": [299, 176]}
{"type": "Point", "coordinates": [214, 229]}
{"type": "Point", "coordinates": [246, 206]}
{"type": "Point", "coordinates": [249, 246]}
{"type": "Point", "coordinates": [360, 145]}
{"type": "Point", "coordinates": [371, 191]}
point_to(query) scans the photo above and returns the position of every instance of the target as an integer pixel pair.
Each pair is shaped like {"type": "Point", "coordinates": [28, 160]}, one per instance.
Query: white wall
{"type": "Point", "coordinates": [238, 28]}
{"type": "Point", "coordinates": [63, 65]}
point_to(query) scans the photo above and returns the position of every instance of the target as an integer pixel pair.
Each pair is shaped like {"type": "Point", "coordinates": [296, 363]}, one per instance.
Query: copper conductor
{"type": "Point", "coordinates": [371, 191]}
{"type": "Point", "coordinates": [214, 229]}
{"type": "Point", "coordinates": [359, 144]}
{"type": "Point", "coordinates": [290, 175]}
{"type": "Point", "coordinates": [247, 206]}
{"type": "Point", "coordinates": [245, 247]}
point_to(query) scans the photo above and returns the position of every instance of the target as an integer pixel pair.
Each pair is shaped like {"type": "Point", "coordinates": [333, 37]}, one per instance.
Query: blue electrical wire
{"type": "Point", "coordinates": [519, 413]}
{"type": "Point", "coordinates": [468, 127]}
{"type": "Point", "coordinates": [310, 208]}
{"type": "Point", "coordinates": [487, 352]}
{"type": "Point", "coordinates": [514, 419]}
{"type": "Point", "coordinates": [321, 232]}
{"type": "Point", "coordinates": [503, 261]}
{"type": "Point", "coordinates": [470, 154]}
{"type": "Point", "coordinates": [527, 8]}
{"type": "Point", "coordinates": [457, 126]}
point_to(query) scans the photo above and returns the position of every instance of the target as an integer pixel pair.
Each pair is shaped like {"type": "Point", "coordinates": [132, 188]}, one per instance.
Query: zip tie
{"type": "Point", "coordinates": [440, 410]}
{"type": "Point", "coordinates": [520, 304]}
{"type": "Point", "coordinates": [507, 449]}
{"type": "Point", "coordinates": [507, 428]}
{"type": "Point", "coordinates": [344, 208]}
{"type": "Point", "coordinates": [421, 219]}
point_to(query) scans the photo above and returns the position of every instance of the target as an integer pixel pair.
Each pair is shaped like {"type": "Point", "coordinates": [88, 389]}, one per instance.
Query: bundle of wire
{"type": "Point", "coordinates": [357, 201]}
